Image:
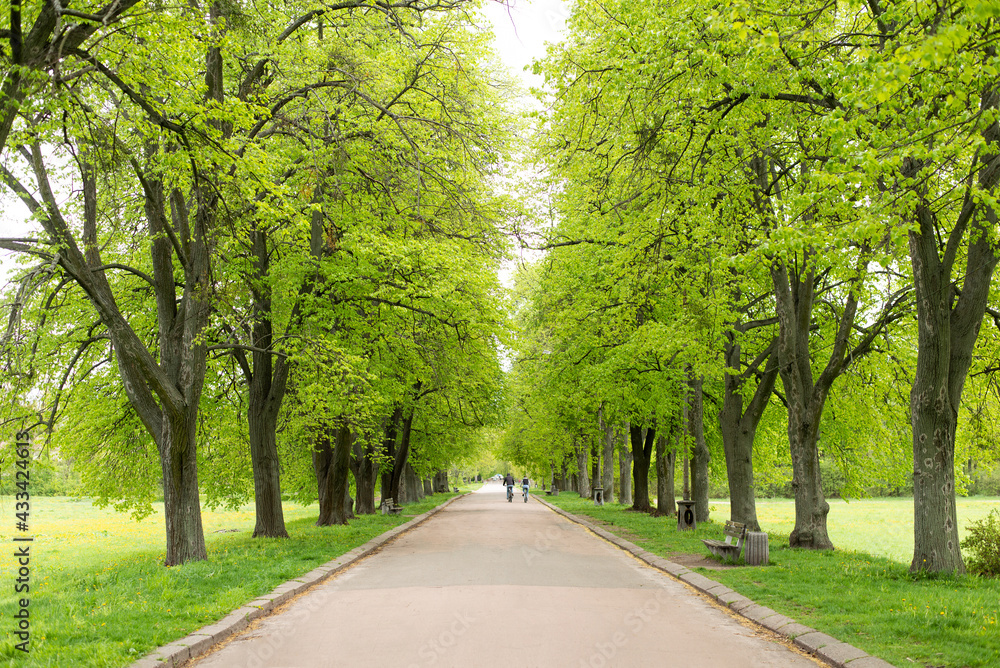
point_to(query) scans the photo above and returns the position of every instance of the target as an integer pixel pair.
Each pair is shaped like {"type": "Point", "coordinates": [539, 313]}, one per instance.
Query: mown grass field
{"type": "Point", "coordinates": [868, 600]}
{"type": "Point", "coordinates": [100, 595]}
{"type": "Point", "coordinates": [880, 527]}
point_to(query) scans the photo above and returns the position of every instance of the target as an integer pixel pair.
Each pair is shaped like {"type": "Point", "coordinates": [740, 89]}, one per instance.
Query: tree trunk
{"type": "Point", "coordinates": [700, 454]}
{"type": "Point", "coordinates": [270, 518]}
{"type": "Point", "coordinates": [583, 477]}
{"type": "Point", "coordinates": [811, 507]}
{"type": "Point", "coordinates": [165, 389]}
{"type": "Point", "coordinates": [595, 464]}
{"type": "Point", "coordinates": [402, 457]}
{"type": "Point", "coordinates": [331, 464]}
{"type": "Point", "coordinates": [738, 446]}
{"type": "Point", "coordinates": [608, 472]}
{"type": "Point", "coordinates": [416, 484]}
{"type": "Point", "coordinates": [948, 321]}
{"type": "Point", "coordinates": [266, 384]}
{"type": "Point", "coordinates": [340, 486]}
{"type": "Point", "coordinates": [805, 399]}
{"type": "Point", "coordinates": [363, 468]}
{"type": "Point", "coordinates": [948, 325]}
{"type": "Point", "coordinates": [322, 458]}
{"type": "Point", "coordinates": [625, 469]}
{"type": "Point", "coordinates": [182, 510]}
{"type": "Point", "coordinates": [348, 504]}
{"type": "Point", "coordinates": [392, 429]}
{"type": "Point", "coordinates": [441, 482]}
{"type": "Point", "coordinates": [410, 487]}
{"type": "Point", "coordinates": [428, 487]}
{"type": "Point", "coordinates": [666, 503]}
{"type": "Point", "coordinates": [739, 428]}
{"type": "Point", "coordinates": [642, 450]}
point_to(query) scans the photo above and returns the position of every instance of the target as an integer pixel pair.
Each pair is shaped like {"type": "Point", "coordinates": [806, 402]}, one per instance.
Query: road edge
{"type": "Point", "coordinates": [200, 642]}
{"type": "Point", "coordinates": [822, 646]}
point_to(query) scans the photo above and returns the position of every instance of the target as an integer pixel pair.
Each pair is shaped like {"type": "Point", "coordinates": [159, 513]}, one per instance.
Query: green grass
{"type": "Point", "coordinates": [869, 601]}
{"type": "Point", "coordinates": [100, 595]}
{"type": "Point", "coordinates": [880, 527]}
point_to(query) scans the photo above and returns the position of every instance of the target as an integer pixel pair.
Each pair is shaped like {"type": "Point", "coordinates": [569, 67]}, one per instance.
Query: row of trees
{"type": "Point", "coordinates": [752, 204]}
{"type": "Point", "coordinates": [247, 221]}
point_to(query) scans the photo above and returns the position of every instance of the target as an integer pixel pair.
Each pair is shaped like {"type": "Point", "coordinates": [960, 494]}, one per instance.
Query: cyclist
{"type": "Point", "coordinates": [508, 481]}
{"type": "Point", "coordinates": [524, 488]}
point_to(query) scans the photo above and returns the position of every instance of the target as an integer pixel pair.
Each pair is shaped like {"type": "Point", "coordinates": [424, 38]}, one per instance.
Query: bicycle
{"type": "Point", "coordinates": [524, 491]}
{"type": "Point", "coordinates": [510, 493]}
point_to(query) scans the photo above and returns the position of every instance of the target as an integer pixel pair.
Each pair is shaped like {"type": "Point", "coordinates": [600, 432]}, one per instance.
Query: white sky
{"type": "Point", "coordinates": [522, 29]}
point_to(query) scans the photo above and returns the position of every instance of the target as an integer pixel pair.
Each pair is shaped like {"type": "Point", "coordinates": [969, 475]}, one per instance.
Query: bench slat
{"type": "Point", "coordinates": [727, 548]}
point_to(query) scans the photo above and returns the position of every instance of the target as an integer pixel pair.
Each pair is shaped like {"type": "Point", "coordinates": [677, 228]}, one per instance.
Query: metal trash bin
{"type": "Point", "coordinates": [685, 516]}
{"type": "Point", "coordinates": [755, 549]}
{"type": "Point", "coordinates": [598, 496]}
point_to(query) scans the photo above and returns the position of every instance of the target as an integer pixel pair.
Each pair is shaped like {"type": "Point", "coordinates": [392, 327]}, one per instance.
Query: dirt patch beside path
{"type": "Point", "coordinates": [682, 558]}
{"type": "Point", "coordinates": [698, 561]}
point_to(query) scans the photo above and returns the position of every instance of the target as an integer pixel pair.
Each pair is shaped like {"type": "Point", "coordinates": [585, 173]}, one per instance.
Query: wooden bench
{"type": "Point", "coordinates": [727, 549]}
{"type": "Point", "coordinates": [389, 507]}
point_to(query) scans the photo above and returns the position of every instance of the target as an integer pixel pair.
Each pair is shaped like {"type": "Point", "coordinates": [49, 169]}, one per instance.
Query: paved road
{"type": "Point", "coordinates": [488, 583]}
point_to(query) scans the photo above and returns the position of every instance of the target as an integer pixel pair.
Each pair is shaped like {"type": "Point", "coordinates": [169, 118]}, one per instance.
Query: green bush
{"type": "Point", "coordinates": [49, 477]}
{"type": "Point", "coordinates": [834, 481]}
{"type": "Point", "coordinates": [983, 545]}
{"type": "Point", "coordinates": [985, 482]}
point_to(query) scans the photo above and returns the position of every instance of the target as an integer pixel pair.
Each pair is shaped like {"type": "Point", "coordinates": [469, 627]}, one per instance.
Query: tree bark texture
{"type": "Point", "coordinates": [266, 384]}
{"type": "Point", "coordinates": [700, 454]}
{"type": "Point", "coordinates": [608, 458]}
{"type": "Point", "coordinates": [365, 475]}
{"type": "Point", "coordinates": [341, 472]}
{"type": "Point", "coordinates": [411, 489]}
{"type": "Point", "coordinates": [739, 427]}
{"type": "Point", "coordinates": [582, 469]}
{"type": "Point", "coordinates": [182, 509]}
{"type": "Point", "coordinates": [348, 503]}
{"type": "Point", "coordinates": [331, 464]}
{"type": "Point", "coordinates": [270, 518]}
{"type": "Point", "coordinates": [402, 455]}
{"type": "Point", "coordinates": [805, 397]}
{"type": "Point", "coordinates": [948, 321]}
{"type": "Point", "coordinates": [595, 464]}
{"type": "Point", "coordinates": [322, 459]}
{"type": "Point", "coordinates": [666, 501]}
{"type": "Point", "coordinates": [441, 482]}
{"type": "Point", "coordinates": [392, 429]}
{"type": "Point", "coordinates": [625, 468]}
{"type": "Point", "coordinates": [642, 451]}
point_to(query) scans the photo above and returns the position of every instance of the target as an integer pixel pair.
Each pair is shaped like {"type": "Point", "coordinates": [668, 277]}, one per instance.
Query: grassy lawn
{"type": "Point", "coordinates": [869, 601]}
{"type": "Point", "coordinates": [100, 595]}
{"type": "Point", "coordinates": [880, 527]}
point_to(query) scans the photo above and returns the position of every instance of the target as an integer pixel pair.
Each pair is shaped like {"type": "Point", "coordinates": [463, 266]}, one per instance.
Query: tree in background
{"type": "Point", "coordinates": [186, 164]}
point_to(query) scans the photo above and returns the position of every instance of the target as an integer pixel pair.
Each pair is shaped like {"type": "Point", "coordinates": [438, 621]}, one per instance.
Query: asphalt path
{"type": "Point", "coordinates": [488, 583]}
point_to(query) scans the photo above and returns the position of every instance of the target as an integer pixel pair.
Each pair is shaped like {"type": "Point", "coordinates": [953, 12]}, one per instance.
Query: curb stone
{"type": "Point", "coordinates": [199, 642]}
{"type": "Point", "coordinates": [824, 647]}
